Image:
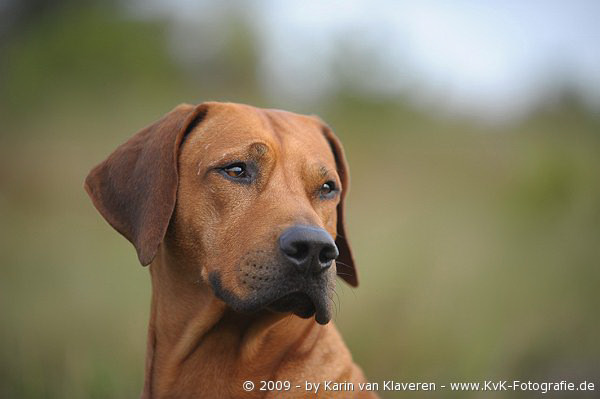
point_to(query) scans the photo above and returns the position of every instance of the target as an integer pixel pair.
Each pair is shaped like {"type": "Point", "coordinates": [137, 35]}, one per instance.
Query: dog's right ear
{"type": "Point", "coordinates": [135, 188]}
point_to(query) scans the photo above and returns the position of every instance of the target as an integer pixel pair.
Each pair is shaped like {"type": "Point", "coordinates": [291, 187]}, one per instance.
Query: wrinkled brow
{"type": "Point", "coordinates": [323, 171]}
{"type": "Point", "coordinates": [254, 150]}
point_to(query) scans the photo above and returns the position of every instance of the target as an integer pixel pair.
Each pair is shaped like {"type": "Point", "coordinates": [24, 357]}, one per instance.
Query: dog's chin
{"type": "Point", "coordinates": [301, 304]}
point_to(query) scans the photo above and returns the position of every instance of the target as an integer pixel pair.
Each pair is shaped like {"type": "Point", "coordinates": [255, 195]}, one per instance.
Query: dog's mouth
{"type": "Point", "coordinates": [302, 302]}
{"type": "Point", "coordinates": [298, 303]}
{"type": "Point", "coordinates": [303, 306]}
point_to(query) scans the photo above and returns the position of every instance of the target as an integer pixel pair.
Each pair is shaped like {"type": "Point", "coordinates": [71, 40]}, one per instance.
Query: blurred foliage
{"type": "Point", "coordinates": [477, 246]}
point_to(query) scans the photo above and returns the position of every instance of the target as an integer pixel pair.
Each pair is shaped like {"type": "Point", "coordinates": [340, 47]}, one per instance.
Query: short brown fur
{"type": "Point", "coordinates": [162, 190]}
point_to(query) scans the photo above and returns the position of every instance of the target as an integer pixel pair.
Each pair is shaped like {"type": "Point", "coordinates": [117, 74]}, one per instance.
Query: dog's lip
{"type": "Point", "coordinates": [297, 302]}
{"type": "Point", "coordinates": [323, 309]}
{"type": "Point", "coordinates": [303, 305]}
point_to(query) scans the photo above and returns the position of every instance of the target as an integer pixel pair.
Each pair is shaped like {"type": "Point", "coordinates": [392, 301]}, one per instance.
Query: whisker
{"type": "Point", "coordinates": [334, 303]}
{"type": "Point", "coordinates": [339, 305]}
{"type": "Point", "coordinates": [337, 262]}
{"type": "Point", "coordinates": [343, 285]}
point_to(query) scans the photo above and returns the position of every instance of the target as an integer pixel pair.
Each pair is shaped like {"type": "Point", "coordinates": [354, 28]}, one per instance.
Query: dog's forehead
{"type": "Point", "coordinates": [229, 125]}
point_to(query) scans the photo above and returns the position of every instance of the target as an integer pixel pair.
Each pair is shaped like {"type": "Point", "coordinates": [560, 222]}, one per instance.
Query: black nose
{"type": "Point", "coordinates": [309, 248]}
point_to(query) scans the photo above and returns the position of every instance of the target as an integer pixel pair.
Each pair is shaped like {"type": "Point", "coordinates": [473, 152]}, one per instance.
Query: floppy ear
{"type": "Point", "coordinates": [135, 188]}
{"type": "Point", "coordinates": [345, 261]}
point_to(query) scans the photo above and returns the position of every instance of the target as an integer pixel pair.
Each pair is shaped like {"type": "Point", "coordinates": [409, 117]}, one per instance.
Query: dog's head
{"type": "Point", "coordinates": [252, 199]}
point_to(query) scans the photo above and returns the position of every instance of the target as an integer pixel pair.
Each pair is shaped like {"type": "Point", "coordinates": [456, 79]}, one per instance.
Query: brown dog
{"type": "Point", "coordinates": [235, 208]}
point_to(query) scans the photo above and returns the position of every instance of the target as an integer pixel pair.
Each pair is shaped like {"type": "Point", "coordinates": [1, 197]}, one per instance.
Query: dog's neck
{"type": "Point", "coordinates": [188, 325]}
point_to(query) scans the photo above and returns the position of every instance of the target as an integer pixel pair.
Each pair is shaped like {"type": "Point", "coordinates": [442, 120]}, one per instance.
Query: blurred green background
{"type": "Point", "coordinates": [477, 241]}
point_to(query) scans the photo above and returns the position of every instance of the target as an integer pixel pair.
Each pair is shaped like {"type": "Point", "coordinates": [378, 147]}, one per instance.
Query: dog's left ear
{"type": "Point", "coordinates": [135, 188]}
{"type": "Point", "coordinates": [345, 261]}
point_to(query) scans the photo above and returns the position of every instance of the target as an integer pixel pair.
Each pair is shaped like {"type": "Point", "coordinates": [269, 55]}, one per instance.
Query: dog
{"type": "Point", "coordinates": [239, 211]}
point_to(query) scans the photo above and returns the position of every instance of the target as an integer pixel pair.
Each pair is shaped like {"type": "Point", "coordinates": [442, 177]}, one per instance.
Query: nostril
{"type": "Point", "coordinates": [298, 250]}
{"type": "Point", "coordinates": [327, 254]}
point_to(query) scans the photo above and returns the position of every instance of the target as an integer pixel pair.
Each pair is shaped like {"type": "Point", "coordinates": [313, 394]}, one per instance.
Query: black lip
{"type": "Point", "coordinates": [298, 303]}
{"type": "Point", "coordinates": [304, 303]}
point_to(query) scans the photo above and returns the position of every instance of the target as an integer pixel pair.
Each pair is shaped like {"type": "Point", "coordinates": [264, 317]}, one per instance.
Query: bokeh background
{"type": "Point", "coordinates": [473, 135]}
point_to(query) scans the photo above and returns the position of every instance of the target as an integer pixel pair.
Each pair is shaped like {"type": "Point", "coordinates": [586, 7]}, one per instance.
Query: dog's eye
{"type": "Point", "coordinates": [327, 189]}
{"type": "Point", "coordinates": [236, 170]}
